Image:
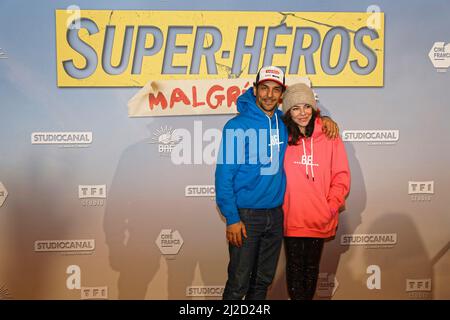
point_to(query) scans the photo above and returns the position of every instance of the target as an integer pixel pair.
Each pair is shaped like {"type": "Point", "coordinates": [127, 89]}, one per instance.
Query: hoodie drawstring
{"type": "Point", "coordinates": [306, 158]}
{"type": "Point", "coordinates": [307, 163]}
{"type": "Point", "coordinates": [278, 133]}
{"type": "Point", "coordinates": [312, 158]}
{"type": "Point", "coordinates": [270, 135]}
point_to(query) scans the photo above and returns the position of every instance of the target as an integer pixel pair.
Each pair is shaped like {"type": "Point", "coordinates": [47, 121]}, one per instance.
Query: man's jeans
{"type": "Point", "coordinates": [252, 267]}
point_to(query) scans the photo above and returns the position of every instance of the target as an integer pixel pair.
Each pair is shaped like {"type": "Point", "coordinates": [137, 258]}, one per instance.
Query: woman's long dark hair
{"type": "Point", "coordinates": [294, 131]}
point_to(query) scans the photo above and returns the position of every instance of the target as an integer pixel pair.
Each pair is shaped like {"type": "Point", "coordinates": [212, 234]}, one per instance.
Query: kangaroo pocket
{"type": "Point", "coordinates": [310, 211]}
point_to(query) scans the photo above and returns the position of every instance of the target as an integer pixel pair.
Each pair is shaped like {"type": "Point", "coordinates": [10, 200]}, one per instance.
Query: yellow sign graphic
{"type": "Point", "coordinates": [122, 48]}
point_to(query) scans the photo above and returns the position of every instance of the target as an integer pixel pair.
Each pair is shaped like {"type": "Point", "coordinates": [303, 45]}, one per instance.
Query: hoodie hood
{"type": "Point", "coordinates": [317, 132]}
{"type": "Point", "coordinates": [247, 107]}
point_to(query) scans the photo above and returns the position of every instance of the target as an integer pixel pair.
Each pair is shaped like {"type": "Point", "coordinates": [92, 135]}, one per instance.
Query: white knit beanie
{"type": "Point", "coordinates": [297, 94]}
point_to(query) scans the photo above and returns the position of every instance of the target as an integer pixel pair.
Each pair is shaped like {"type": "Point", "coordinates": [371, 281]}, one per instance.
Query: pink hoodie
{"type": "Point", "coordinates": [318, 179]}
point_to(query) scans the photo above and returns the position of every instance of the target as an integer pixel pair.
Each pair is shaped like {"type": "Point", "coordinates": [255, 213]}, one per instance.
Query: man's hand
{"type": "Point", "coordinates": [234, 232]}
{"type": "Point", "coordinates": [330, 128]}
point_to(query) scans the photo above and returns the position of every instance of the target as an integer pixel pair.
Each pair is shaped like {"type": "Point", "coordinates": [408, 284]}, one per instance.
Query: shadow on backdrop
{"type": "Point", "coordinates": [38, 209]}
{"type": "Point", "coordinates": [148, 195]}
{"type": "Point", "coordinates": [406, 268]}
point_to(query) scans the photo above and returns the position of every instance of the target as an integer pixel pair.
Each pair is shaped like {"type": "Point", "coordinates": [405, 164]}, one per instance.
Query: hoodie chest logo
{"type": "Point", "coordinates": [306, 161]}
{"type": "Point", "coordinates": [275, 140]}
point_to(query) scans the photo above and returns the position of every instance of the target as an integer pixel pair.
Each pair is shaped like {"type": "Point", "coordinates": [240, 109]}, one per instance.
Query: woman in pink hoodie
{"type": "Point", "coordinates": [318, 180]}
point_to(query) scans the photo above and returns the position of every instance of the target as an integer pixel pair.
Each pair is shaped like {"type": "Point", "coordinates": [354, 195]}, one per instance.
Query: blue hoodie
{"type": "Point", "coordinates": [251, 174]}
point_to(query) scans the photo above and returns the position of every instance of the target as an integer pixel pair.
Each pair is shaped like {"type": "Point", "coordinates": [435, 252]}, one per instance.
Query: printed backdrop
{"type": "Point", "coordinates": [110, 120]}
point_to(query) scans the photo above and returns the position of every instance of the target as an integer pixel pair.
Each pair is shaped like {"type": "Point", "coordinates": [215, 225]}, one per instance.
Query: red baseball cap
{"type": "Point", "coordinates": [270, 73]}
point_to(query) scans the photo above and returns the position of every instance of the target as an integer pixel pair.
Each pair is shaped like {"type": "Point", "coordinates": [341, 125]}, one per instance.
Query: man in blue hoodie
{"type": "Point", "coordinates": [250, 185]}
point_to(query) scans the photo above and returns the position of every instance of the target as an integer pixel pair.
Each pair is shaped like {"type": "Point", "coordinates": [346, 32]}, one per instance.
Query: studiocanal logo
{"type": "Point", "coordinates": [204, 291]}
{"type": "Point", "coordinates": [200, 191]}
{"type": "Point", "coordinates": [66, 139]}
{"type": "Point", "coordinates": [372, 137]}
{"type": "Point", "coordinates": [83, 246]}
{"type": "Point", "coordinates": [370, 240]}
{"type": "Point", "coordinates": [420, 190]}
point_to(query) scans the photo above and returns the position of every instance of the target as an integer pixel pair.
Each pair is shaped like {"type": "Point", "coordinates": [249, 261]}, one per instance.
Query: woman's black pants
{"type": "Point", "coordinates": [302, 266]}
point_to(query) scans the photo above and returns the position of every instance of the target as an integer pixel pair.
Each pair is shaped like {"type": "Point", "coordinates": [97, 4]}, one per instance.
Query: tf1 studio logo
{"type": "Point", "coordinates": [419, 288]}
{"type": "Point", "coordinates": [92, 195]}
{"type": "Point", "coordinates": [73, 282]}
{"type": "Point", "coordinates": [421, 190]}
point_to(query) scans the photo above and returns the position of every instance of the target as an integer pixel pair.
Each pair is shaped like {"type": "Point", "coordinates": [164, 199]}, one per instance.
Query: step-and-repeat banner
{"type": "Point", "coordinates": [111, 117]}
